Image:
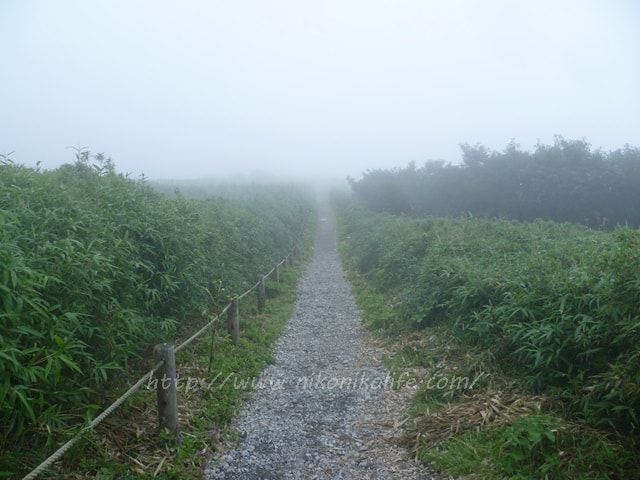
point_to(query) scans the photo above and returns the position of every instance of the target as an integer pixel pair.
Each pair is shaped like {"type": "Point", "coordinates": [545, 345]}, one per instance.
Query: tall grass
{"type": "Point", "coordinates": [95, 267]}
{"type": "Point", "coordinates": [558, 304]}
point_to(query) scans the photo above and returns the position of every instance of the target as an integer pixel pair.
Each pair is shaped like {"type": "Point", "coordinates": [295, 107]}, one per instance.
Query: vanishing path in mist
{"type": "Point", "coordinates": [326, 408]}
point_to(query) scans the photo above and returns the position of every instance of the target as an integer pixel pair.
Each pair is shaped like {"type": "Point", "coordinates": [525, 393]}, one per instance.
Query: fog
{"type": "Point", "coordinates": [207, 89]}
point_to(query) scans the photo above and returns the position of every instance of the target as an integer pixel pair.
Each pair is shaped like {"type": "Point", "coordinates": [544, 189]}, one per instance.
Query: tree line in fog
{"type": "Point", "coordinates": [567, 181]}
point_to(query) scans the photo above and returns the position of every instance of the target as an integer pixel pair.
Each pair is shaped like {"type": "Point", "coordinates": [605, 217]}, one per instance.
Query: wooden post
{"type": "Point", "coordinates": [233, 321]}
{"type": "Point", "coordinates": [211, 349]}
{"type": "Point", "coordinates": [276, 273]}
{"type": "Point", "coordinates": [294, 254]}
{"type": "Point", "coordinates": [167, 386]}
{"type": "Point", "coordinates": [262, 294]}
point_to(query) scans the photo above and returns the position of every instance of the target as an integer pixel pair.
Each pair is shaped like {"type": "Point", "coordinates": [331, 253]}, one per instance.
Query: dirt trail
{"type": "Point", "coordinates": [326, 409]}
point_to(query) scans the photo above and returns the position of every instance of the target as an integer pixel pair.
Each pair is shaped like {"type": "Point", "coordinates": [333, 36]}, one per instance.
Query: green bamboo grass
{"type": "Point", "coordinates": [558, 305]}
{"type": "Point", "coordinates": [96, 267]}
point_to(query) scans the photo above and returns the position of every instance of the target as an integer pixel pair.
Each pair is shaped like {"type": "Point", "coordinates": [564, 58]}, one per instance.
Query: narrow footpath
{"type": "Point", "coordinates": [326, 409]}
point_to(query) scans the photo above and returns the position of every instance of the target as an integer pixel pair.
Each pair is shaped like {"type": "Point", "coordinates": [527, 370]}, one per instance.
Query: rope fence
{"type": "Point", "coordinates": [67, 446]}
{"type": "Point", "coordinates": [165, 366]}
{"type": "Point", "coordinates": [202, 330]}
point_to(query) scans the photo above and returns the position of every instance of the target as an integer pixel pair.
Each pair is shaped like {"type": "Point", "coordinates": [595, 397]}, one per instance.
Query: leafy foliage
{"type": "Point", "coordinates": [96, 267]}
{"type": "Point", "coordinates": [558, 304]}
{"type": "Point", "coordinates": [566, 181]}
{"type": "Point", "coordinates": [536, 446]}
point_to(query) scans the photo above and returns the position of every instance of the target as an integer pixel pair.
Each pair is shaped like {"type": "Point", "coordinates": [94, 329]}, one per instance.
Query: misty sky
{"type": "Point", "coordinates": [193, 89]}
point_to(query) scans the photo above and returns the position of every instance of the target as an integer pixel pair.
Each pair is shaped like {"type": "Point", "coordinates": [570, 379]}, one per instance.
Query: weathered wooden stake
{"type": "Point", "coordinates": [276, 273]}
{"type": "Point", "coordinates": [262, 294]}
{"type": "Point", "coordinates": [211, 349]}
{"type": "Point", "coordinates": [233, 321]}
{"type": "Point", "coordinates": [167, 386]}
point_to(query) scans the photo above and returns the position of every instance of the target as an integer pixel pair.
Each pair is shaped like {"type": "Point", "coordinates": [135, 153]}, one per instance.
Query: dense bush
{"type": "Point", "coordinates": [566, 181]}
{"type": "Point", "coordinates": [96, 267]}
{"type": "Point", "coordinates": [558, 304]}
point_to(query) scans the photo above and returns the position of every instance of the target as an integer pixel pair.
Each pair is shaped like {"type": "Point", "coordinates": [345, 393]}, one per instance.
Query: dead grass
{"type": "Point", "coordinates": [487, 410]}
{"type": "Point", "coordinates": [436, 414]}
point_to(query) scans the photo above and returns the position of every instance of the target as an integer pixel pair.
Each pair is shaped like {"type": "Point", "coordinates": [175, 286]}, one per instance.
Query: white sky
{"type": "Point", "coordinates": [192, 89]}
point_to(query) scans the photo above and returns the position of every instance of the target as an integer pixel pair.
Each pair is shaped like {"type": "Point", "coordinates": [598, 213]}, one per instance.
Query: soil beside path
{"type": "Point", "coordinates": [326, 408]}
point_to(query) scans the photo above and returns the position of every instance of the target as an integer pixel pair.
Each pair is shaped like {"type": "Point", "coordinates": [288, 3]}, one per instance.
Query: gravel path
{"type": "Point", "coordinates": [326, 409]}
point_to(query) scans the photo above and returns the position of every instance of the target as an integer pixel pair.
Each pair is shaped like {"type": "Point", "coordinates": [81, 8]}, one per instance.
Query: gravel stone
{"type": "Point", "coordinates": [326, 409]}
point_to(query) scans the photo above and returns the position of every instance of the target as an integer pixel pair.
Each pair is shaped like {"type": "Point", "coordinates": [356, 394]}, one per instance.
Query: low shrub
{"type": "Point", "coordinates": [96, 267]}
